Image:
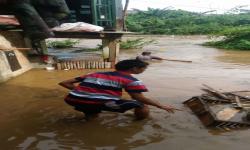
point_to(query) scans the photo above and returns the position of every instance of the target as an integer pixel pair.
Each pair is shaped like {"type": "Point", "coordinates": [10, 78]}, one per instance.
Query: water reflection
{"type": "Point", "coordinates": [109, 131]}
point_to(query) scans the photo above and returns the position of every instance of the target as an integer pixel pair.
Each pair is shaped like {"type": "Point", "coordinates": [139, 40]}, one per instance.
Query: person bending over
{"type": "Point", "coordinates": [102, 91]}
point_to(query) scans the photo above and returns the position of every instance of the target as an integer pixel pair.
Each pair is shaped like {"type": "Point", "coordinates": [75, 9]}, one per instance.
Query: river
{"type": "Point", "coordinates": [33, 114]}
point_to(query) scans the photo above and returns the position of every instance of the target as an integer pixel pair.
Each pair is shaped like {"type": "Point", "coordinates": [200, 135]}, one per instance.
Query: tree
{"type": "Point", "coordinates": [125, 15]}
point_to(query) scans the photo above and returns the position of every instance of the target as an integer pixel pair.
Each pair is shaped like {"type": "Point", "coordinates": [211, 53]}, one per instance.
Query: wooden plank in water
{"type": "Point", "coordinates": [78, 64]}
{"type": "Point", "coordinates": [88, 65]}
{"type": "Point", "coordinates": [58, 66]}
{"type": "Point", "coordinates": [83, 64]}
{"type": "Point", "coordinates": [75, 64]}
{"type": "Point", "coordinates": [96, 64]}
{"type": "Point", "coordinates": [99, 65]}
{"type": "Point", "coordinates": [107, 65]}
{"type": "Point", "coordinates": [68, 65]}
{"type": "Point", "coordinates": [64, 65]}
{"type": "Point", "coordinates": [71, 65]}
{"type": "Point", "coordinates": [93, 65]}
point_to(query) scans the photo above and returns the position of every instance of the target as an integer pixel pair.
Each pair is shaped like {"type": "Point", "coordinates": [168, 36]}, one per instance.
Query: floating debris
{"type": "Point", "coordinates": [222, 110]}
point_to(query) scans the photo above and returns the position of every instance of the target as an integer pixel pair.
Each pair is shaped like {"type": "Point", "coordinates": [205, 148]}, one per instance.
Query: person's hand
{"type": "Point", "coordinates": [168, 108]}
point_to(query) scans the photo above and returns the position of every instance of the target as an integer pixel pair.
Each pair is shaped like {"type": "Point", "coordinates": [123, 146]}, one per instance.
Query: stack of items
{"type": "Point", "coordinates": [223, 110]}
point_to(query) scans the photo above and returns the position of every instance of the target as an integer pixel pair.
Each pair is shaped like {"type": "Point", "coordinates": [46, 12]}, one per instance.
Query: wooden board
{"type": "Point", "coordinates": [208, 114]}
{"type": "Point", "coordinates": [13, 62]}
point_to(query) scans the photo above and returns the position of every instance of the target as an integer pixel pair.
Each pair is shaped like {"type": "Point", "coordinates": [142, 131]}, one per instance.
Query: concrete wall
{"type": "Point", "coordinates": [7, 41]}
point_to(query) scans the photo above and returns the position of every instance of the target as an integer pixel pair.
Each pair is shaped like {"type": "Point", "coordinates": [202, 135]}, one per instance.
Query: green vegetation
{"type": "Point", "coordinates": [135, 44]}
{"type": "Point", "coordinates": [235, 27]}
{"type": "Point", "coordinates": [179, 22]}
{"type": "Point", "coordinates": [86, 50]}
{"type": "Point", "coordinates": [235, 39]}
{"type": "Point", "coordinates": [62, 44]}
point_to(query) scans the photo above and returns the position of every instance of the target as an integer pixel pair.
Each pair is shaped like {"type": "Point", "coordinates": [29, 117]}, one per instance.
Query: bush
{"type": "Point", "coordinates": [235, 38]}
{"type": "Point", "coordinates": [135, 44]}
{"type": "Point", "coordinates": [62, 44]}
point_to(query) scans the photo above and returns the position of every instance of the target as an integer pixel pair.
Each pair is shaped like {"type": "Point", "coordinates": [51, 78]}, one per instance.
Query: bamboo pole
{"type": "Point", "coordinates": [186, 61]}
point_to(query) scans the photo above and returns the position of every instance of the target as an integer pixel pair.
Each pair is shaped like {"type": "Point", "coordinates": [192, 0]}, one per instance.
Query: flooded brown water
{"type": "Point", "coordinates": [34, 116]}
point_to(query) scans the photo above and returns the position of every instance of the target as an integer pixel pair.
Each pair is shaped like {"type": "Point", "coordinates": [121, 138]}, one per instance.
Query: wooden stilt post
{"type": "Point", "coordinates": [113, 46]}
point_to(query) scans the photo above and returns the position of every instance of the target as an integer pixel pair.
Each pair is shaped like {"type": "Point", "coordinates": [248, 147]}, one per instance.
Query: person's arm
{"type": "Point", "coordinates": [140, 97]}
{"type": "Point", "coordinates": [69, 84]}
{"type": "Point", "coordinates": [157, 58]}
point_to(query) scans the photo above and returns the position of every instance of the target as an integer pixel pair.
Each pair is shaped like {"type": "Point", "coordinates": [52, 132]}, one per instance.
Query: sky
{"type": "Point", "coordinates": [220, 6]}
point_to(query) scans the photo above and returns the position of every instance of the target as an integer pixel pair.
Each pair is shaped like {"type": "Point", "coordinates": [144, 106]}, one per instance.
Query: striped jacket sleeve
{"type": "Point", "coordinates": [135, 87]}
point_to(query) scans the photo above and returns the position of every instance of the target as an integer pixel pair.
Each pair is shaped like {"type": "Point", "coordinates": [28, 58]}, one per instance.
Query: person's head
{"type": "Point", "coordinates": [133, 66]}
{"type": "Point", "coordinates": [146, 53]}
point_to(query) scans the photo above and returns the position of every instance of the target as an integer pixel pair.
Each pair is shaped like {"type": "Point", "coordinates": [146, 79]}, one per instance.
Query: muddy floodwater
{"type": "Point", "coordinates": [33, 114]}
